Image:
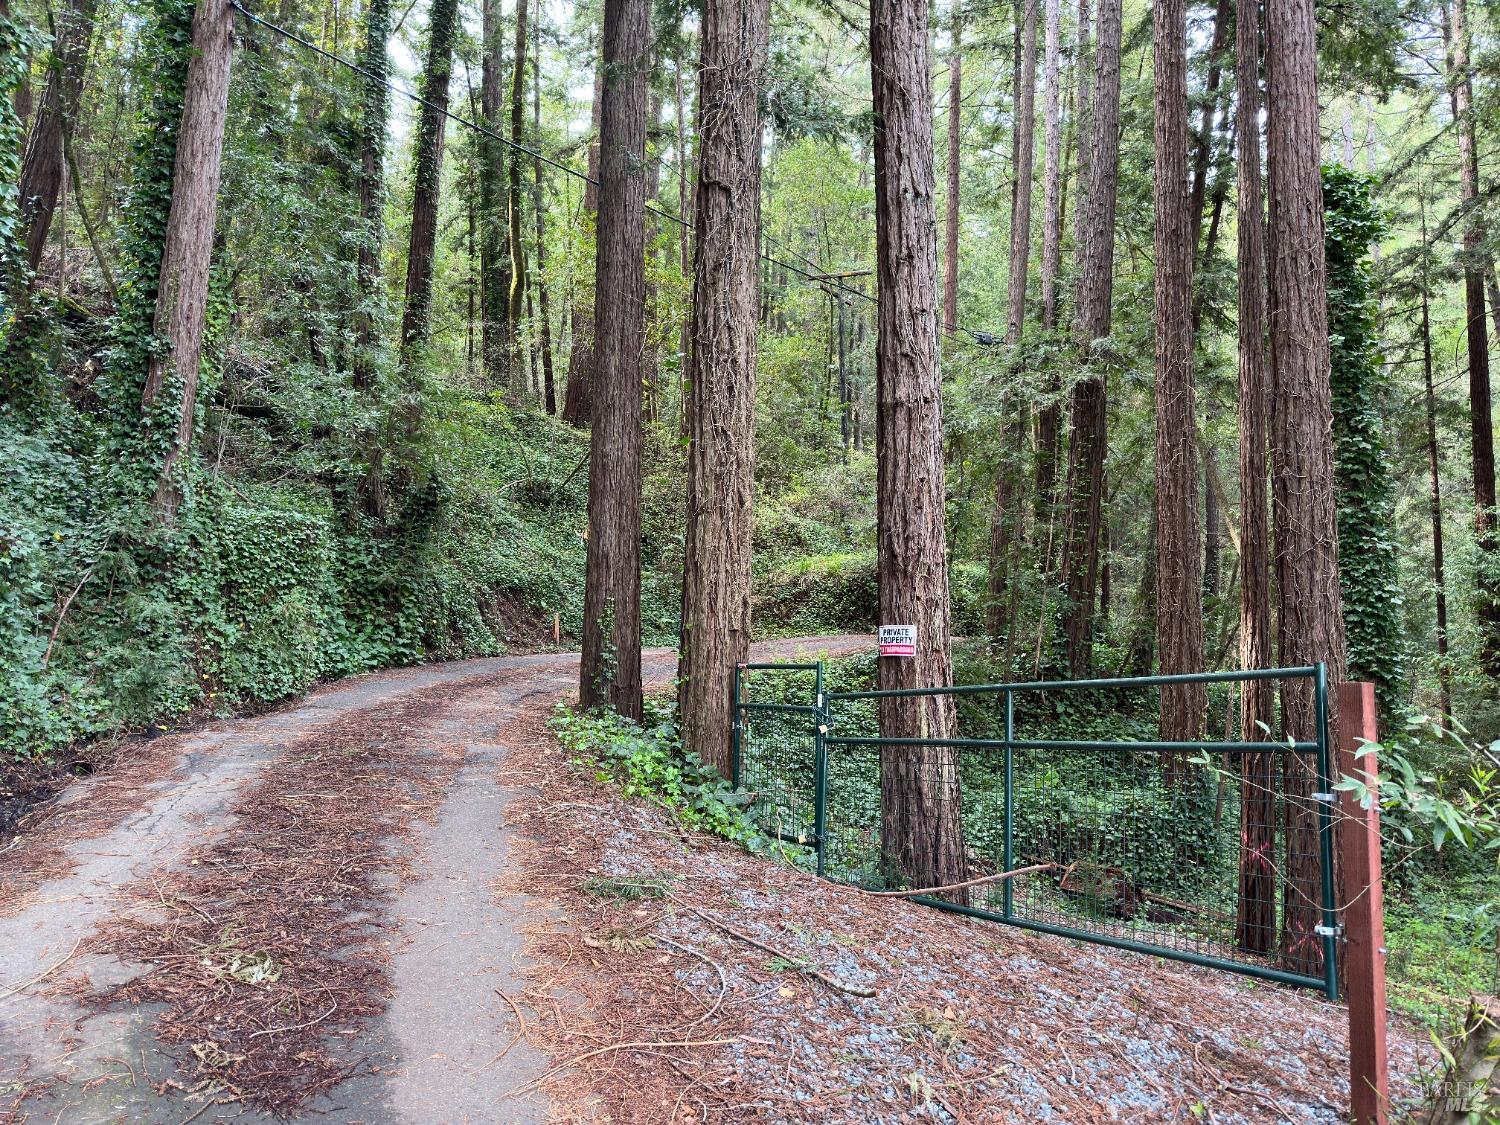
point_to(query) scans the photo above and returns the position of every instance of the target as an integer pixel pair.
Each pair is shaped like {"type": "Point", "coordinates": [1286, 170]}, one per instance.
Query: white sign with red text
{"type": "Point", "coordinates": [898, 640]}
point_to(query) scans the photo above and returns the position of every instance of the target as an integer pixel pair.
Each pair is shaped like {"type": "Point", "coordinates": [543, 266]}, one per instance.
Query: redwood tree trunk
{"type": "Point", "coordinates": [187, 251]}
{"type": "Point", "coordinates": [427, 181]}
{"type": "Point", "coordinates": [494, 250]}
{"type": "Point", "coordinates": [1089, 405]}
{"type": "Point", "coordinates": [610, 670]}
{"type": "Point", "coordinates": [374, 115]}
{"type": "Point", "coordinates": [921, 817]}
{"type": "Point", "coordinates": [515, 212]}
{"type": "Point", "coordinates": [951, 215]}
{"type": "Point", "coordinates": [721, 411]}
{"type": "Point", "coordinates": [1310, 616]}
{"type": "Point", "coordinates": [1179, 575]}
{"type": "Point", "coordinates": [578, 397]}
{"type": "Point", "coordinates": [1255, 927]}
{"type": "Point", "coordinates": [43, 170]}
{"type": "Point", "coordinates": [1049, 417]}
{"type": "Point", "coordinates": [1005, 524]}
{"type": "Point", "coordinates": [549, 384]}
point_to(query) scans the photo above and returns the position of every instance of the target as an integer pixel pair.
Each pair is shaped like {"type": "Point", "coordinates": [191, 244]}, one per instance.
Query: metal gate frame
{"type": "Point", "coordinates": [820, 712]}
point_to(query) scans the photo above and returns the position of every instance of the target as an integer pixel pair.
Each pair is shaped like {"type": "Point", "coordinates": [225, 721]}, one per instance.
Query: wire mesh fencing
{"type": "Point", "coordinates": [1216, 852]}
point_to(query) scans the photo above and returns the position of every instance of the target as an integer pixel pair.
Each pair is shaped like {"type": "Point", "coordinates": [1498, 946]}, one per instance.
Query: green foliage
{"type": "Point", "coordinates": [648, 762]}
{"type": "Point", "coordinates": [841, 593]}
{"type": "Point", "coordinates": [1367, 553]}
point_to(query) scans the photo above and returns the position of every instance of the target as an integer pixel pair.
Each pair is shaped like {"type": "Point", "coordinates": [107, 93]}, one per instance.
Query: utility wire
{"type": "Point", "coordinates": [825, 279]}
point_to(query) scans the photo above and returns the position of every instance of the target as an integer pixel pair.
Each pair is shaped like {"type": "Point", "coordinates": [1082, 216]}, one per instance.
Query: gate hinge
{"type": "Point", "coordinates": [1329, 931]}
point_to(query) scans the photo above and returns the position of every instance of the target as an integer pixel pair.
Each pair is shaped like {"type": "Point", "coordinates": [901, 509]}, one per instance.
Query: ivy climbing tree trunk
{"type": "Point", "coordinates": [921, 817]}
{"type": "Point", "coordinates": [610, 670]}
{"type": "Point", "coordinates": [721, 412]}
{"type": "Point", "coordinates": [45, 165]}
{"type": "Point", "coordinates": [1089, 406]}
{"type": "Point", "coordinates": [12, 248]}
{"type": "Point", "coordinates": [1179, 575]}
{"type": "Point", "coordinates": [427, 172]}
{"type": "Point", "coordinates": [1255, 919]}
{"type": "Point", "coordinates": [374, 119]}
{"type": "Point", "coordinates": [1367, 572]}
{"type": "Point", "coordinates": [1310, 615]}
{"type": "Point", "coordinates": [170, 400]}
{"type": "Point", "coordinates": [578, 397]}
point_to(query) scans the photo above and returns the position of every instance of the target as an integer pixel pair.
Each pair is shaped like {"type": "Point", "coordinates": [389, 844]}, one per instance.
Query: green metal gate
{"type": "Point", "coordinates": [1200, 851]}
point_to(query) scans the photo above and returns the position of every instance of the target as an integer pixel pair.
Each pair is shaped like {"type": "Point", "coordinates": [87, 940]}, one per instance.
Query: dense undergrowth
{"type": "Point", "coordinates": [269, 585]}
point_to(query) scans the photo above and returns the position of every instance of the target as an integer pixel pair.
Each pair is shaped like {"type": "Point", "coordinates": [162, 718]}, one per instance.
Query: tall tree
{"type": "Point", "coordinates": [578, 397]}
{"type": "Point", "coordinates": [427, 174]}
{"type": "Point", "coordinates": [44, 168]}
{"type": "Point", "coordinates": [549, 382]}
{"type": "Point", "coordinates": [721, 413]}
{"type": "Point", "coordinates": [170, 399]}
{"type": "Point", "coordinates": [1179, 575]}
{"type": "Point", "coordinates": [1309, 613]}
{"type": "Point", "coordinates": [1255, 927]}
{"type": "Point", "coordinates": [1481, 406]}
{"type": "Point", "coordinates": [13, 70]}
{"type": "Point", "coordinates": [951, 211]}
{"type": "Point", "coordinates": [1089, 407]}
{"type": "Point", "coordinates": [1434, 482]}
{"type": "Point", "coordinates": [1005, 524]}
{"type": "Point", "coordinates": [610, 670]}
{"type": "Point", "coordinates": [374, 119]}
{"type": "Point", "coordinates": [1367, 553]}
{"type": "Point", "coordinates": [1049, 417]}
{"type": "Point", "coordinates": [921, 820]}
{"type": "Point", "coordinates": [516, 210]}
{"type": "Point", "coordinates": [494, 248]}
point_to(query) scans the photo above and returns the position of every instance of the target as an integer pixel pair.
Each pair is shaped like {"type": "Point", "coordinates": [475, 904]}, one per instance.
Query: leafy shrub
{"type": "Point", "coordinates": [648, 762]}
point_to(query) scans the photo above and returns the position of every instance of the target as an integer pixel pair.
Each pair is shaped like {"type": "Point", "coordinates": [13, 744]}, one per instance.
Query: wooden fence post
{"type": "Point", "coordinates": [1362, 912]}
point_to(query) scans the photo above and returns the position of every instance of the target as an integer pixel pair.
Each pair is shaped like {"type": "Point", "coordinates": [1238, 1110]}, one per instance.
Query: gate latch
{"type": "Point", "coordinates": [1328, 931]}
{"type": "Point", "coordinates": [1326, 798]}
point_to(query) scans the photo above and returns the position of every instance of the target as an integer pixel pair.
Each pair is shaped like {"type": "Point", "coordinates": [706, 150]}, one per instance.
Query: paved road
{"type": "Point", "coordinates": [454, 942]}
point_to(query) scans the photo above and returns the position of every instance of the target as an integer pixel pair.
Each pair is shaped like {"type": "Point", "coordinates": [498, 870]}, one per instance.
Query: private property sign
{"type": "Point", "coordinates": [898, 640]}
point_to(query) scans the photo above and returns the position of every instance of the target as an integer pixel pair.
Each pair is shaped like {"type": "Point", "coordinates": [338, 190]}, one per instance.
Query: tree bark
{"type": "Point", "coordinates": [1435, 492]}
{"type": "Point", "coordinates": [921, 815]}
{"type": "Point", "coordinates": [45, 167]}
{"type": "Point", "coordinates": [578, 397]}
{"type": "Point", "coordinates": [427, 175]}
{"type": "Point", "coordinates": [516, 201]}
{"type": "Point", "coordinates": [721, 413]}
{"type": "Point", "coordinates": [374, 119]}
{"type": "Point", "coordinates": [1086, 72]}
{"type": "Point", "coordinates": [187, 252]}
{"type": "Point", "coordinates": [494, 250]}
{"type": "Point", "coordinates": [1025, 153]}
{"type": "Point", "coordinates": [1179, 575]}
{"type": "Point", "coordinates": [1255, 926]}
{"type": "Point", "coordinates": [1052, 173]}
{"type": "Point", "coordinates": [549, 382]}
{"type": "Point", "coordinates": [1310, 616]}
{"type": "Point", "coordinates": [952, 212]}
{"type": "Point", "coordinates": [685, 242]}
{"type": "Point", "coordinates": [1089, 406]}
{"type": "Point", "coordinates": [1005, 524]}
{"type": "Point", "coordinates": [610, 669]}
{"type": "Point", "coordinates": [1481, 407]}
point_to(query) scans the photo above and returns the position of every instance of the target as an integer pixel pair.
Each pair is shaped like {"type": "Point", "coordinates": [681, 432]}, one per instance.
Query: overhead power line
{"type": "Point", "coordinates": [822, 277]}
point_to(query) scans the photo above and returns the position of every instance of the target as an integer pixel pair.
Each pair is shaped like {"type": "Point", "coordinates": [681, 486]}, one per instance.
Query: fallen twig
{"type": "Point", "coordinates": [810, 970]}
{"type": "Point", "coordinates": [647, 1044]}
{"type": "Point", "coordinates": [295, 1027]}
{"type": "Point", "coordinates": [520, 1034]}
{"type": "Point", "coordinates": [960, 886]}
{"type": "Point", "coordinates": [43, 975]}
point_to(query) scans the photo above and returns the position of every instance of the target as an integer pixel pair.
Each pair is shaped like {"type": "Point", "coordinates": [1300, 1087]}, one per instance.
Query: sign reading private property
{"type": "Point", "coordinates": [898, 640]}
